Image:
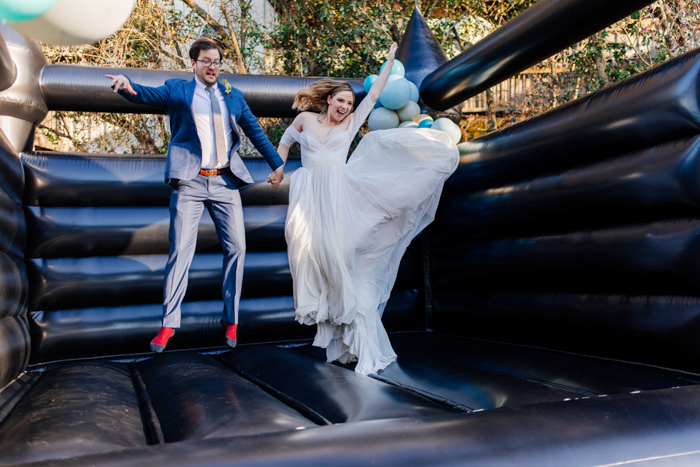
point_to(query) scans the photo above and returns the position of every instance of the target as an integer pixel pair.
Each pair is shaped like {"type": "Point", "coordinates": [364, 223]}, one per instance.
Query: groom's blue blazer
{"type": "Point", "coordinates": [185, 150]}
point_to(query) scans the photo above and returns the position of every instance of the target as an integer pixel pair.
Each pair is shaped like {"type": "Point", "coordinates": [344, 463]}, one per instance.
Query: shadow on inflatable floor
{"type": "Point", "coordinates": [447, 400]}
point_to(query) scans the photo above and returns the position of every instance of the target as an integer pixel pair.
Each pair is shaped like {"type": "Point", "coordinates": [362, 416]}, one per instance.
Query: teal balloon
{"type": "Point", "coordinates": [425, 123]}
{"type": "Point", "coordinates": [395, 94]}
{"type": "Point", "coordinates": [396, 69]}
{"type": "Point", "coordinates": [16, 11]}
{"type": "Point", "coordinates": [369, 81]}
{"type": "Point", "coordinates": [414, 92]}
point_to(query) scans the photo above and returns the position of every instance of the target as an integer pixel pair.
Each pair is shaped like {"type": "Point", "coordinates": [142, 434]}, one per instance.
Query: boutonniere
{"type": "Point", "coordinates": [227, 87]}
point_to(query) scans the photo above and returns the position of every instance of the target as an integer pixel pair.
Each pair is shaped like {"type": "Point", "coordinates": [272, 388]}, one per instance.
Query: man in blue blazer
{"type": "Point", "coordinates": [204, 169]}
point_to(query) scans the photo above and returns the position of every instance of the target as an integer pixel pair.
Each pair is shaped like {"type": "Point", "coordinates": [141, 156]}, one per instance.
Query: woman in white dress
{"type": "Point", "coordinates": [349, 224]}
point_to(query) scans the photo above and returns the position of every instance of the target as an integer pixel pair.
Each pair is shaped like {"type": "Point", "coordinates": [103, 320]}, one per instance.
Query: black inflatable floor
{"type": "Point", "coordinates": [96, 407]}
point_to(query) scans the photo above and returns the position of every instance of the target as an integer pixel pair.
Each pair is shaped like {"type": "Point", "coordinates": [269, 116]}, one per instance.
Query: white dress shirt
{"type": "Point", "coordinates": [204, 121]}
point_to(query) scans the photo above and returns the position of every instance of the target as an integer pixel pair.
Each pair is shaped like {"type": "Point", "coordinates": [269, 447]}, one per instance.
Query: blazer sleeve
{"type": "Point", "coordinates": [155, 97]}
{"type": "Point", "coordinates": [257, 136]}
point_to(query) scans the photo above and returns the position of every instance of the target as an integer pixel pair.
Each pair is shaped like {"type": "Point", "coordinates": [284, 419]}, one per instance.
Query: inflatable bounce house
{"type": "Point", "coordinates": [550, 316]}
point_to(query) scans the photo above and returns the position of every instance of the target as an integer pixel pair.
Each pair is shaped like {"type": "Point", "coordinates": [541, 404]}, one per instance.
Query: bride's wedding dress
{"type": "Point", "coordinates": [349, 224]}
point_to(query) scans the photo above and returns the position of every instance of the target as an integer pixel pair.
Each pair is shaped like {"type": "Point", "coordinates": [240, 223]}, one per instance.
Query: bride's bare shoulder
{"type": "Point", "coordinates": [302, 119]}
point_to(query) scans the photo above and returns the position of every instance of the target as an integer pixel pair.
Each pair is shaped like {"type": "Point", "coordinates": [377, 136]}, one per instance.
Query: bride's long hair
{"type": "Point", "coordinates": [315, 97]}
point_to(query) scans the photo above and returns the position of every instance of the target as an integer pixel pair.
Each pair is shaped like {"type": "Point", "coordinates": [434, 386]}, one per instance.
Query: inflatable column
{"type": "Point", "coordinates": [21, 105]}
{"type": "Point", "coordinates": [14, 331]}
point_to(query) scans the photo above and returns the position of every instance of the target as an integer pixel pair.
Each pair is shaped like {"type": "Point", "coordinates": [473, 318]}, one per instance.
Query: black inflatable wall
{"type": "Point", "coordinates": [578, 229]}
{"type": "Point", "coordinates": [14, 331]}
{"type": "Point", "coordinates": [97, 248]}
{"type": "Point", "coordinates": [536, 34]}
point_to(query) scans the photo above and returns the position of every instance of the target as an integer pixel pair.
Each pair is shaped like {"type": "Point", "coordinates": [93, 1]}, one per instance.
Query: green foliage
{"type": "Point", "coordinates": [335, 38]}
{"type": "Point", "coordinates": [647, 38]}
{"type": "Point", "coordinates": [350, 38]}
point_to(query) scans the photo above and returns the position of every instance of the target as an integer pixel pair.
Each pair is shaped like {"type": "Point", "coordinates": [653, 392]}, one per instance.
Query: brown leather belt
{"type": "Point", "coordinates": [209, 173]}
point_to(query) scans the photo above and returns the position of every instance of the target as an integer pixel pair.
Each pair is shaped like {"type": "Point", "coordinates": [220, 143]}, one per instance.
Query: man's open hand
{"type": "Point", "coordinates": [276, 177]}
{"type": "Point", "coordinates": [121, 82]}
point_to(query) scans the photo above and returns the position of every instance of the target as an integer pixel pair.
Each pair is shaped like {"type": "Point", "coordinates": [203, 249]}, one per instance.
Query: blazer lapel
{"type": "Point", "coordinates": [189, 94]}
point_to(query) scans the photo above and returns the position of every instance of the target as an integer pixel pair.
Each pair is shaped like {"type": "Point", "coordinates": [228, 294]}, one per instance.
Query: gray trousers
{"type": "Point", "coordinates": [220, 195]}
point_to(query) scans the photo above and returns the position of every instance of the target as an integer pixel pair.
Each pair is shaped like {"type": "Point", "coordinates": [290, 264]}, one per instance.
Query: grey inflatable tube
{"type": "Point", "coordinates": [85, 89]}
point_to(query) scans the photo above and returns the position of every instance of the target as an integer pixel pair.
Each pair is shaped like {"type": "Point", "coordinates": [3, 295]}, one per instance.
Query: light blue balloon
{"type": "Point", "coordinates": [369, 81]}
{"type": "Point", "coordinates": [15, 11]}
{"type": "Point", "coordinates": [396, 69]}
{"type": "Point", "coordinates": [395, 94]}
{"type": "Point", "coordinates": [425, 123]}
{"type": "Point", "coordinates": [414, 92]}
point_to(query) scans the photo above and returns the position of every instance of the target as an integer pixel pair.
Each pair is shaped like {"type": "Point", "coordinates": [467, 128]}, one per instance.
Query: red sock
{"type": "Point", "coordinates": [230, 333]}
{"type": "Point", "coordinates": [161, 340]}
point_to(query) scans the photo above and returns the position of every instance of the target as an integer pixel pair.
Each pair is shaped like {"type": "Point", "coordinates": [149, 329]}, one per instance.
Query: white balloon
{"type": "Point", "coordinates": [408, 125]}
{"type": "Point", "coordinates": [443, 124]}
{"type": "Point", "coordinates": [409, 111]}
{"type": "Point", "coordinates": [76, 22]}
{"type": "Point", "coordinates": [422, 117]}
{"type": "Point", "coordinates": [382, 118]}
{"type": "Point", "coordinates": [449, 127]}
{"type": "Point", "coordinates": [456, 133]}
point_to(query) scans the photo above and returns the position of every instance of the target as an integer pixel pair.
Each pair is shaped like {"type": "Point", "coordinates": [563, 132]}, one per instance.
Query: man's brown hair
{"type": "Point", "coordinates": [204, 43]}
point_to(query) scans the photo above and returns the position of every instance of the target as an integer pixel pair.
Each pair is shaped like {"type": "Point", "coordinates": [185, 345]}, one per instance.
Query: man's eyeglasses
{"type": "Point", "coordinates": [208, 63]}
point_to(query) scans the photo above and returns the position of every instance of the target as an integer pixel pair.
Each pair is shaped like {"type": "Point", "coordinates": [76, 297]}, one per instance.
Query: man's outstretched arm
{"type": "Point", "coordinates": [133, 92]}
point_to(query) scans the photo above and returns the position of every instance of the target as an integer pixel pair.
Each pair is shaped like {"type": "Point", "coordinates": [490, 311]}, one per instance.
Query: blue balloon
{"type": "Point", "coordinates": [396, 69]}
{"type": "Point", "coordinates": [414, 92]}
{"type": "Point", "coordinates": [427, 123]}
{"type": "Point", "coordinates": [377, 104]}
{"type": "Point", "coordinates": [369, 81]}
{"type": "Point", "coordinates": [395, 94]}
{"type": "Point", "coordinates": [14, 11]}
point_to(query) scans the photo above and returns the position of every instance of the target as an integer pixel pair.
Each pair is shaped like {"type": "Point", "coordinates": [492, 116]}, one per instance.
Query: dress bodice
{"type": "Point", "coordinates": [333, 148]}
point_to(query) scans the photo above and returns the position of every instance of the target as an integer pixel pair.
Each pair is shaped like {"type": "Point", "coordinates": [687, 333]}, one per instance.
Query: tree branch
{"type": "Point", "coordinates": [221, 31]}
{"type": "Point", "coordinates": [395, 34]}
{"type": "Point", "coordinates": [355, 49]}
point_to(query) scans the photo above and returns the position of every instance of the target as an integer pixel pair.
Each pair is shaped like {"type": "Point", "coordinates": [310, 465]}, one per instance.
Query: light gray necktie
{"type": "Point", "coordinates": [219, 138]}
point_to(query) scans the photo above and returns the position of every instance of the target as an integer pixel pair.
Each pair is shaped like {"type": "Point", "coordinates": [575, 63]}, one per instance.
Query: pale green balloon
{"type": "Point", "coordinates": [382, 119]}
{"type": "Point", "coordinates": [409, 111]}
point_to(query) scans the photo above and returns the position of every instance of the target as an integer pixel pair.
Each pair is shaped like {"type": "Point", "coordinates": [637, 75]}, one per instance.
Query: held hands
{"type": "Point", "coordinates": [276, 177]}
{"type": "Point", "coordinates": [121, 82]}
